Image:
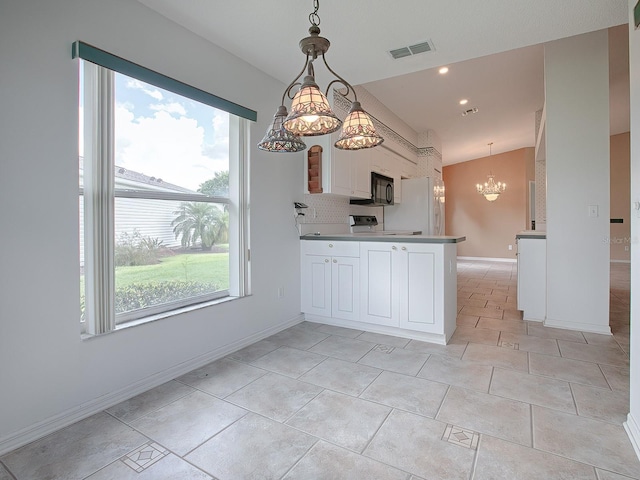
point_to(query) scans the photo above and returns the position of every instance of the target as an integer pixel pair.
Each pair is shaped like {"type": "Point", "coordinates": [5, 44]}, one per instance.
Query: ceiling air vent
{"type": "Point", "coordinates": [422, 47]}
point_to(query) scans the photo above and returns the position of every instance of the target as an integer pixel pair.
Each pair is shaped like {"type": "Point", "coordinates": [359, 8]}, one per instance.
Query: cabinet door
{"type": "Point", "coordinates": [417, 279]}
{"type": "Point", "coordinates": [360, 174]}
{"type": "Point", "coordinates": [316, 285]}
{"type": "Point", "coordinates": [377, 297]}
{"type": "Point", "coordinates": [345, 288]}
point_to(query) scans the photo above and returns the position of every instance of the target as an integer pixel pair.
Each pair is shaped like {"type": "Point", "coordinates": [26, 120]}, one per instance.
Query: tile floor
{"type": "Point", "coordinates": [506, 399]}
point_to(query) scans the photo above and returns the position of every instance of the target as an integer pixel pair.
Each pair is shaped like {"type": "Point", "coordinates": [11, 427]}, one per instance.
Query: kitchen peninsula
{"type": "Point", "coordinates": [404, 285]}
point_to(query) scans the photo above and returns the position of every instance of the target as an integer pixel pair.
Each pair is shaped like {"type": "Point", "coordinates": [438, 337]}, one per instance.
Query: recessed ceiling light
{"type": "Point", "coordinates": [443, 70]}
{"type": "Point", "coordinates": [464, 101]}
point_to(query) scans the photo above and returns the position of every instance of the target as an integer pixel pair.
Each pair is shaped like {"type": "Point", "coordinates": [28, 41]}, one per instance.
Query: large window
{"type": "Point", "coordinates": [162, 196]}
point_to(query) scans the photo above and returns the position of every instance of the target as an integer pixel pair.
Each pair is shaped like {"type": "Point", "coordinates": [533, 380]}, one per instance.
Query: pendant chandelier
{"type": "Point", "coordinates": [491, 190]}
{"type": "Point", "coordinates": [311, 114]}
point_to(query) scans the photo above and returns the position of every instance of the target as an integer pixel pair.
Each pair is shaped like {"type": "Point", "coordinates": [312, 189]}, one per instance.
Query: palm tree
{"type": "Point", "coordinates": [195, 222]}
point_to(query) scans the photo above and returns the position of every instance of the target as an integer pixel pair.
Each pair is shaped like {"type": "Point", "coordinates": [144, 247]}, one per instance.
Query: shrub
{"type": "Point", "coordinates": [141, 295]}
{"type": "Point", "coordinates": [132, 250]}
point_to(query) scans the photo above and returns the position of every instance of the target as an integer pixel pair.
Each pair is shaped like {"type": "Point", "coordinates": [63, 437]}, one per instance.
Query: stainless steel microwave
{"type": "Point", "coordinates": [381, 192]}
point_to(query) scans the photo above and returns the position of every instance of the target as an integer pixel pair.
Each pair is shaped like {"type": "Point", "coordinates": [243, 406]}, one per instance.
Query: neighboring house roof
{"type": "Point", "coordinates": [152, 182]}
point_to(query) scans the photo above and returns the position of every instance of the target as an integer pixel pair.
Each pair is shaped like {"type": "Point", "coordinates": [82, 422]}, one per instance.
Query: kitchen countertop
{"type": "Point", "coordinates": [531, 234]}
{"type": "Point", "coordinates": [354, 237]}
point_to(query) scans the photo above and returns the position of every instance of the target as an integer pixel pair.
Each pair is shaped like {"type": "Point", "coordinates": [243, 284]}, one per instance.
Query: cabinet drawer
{"type": "Point", "coordinates": [331, 248]}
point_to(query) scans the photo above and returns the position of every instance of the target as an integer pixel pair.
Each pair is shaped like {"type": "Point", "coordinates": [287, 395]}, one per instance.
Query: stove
{"type": "Point", "coordinates": [367, 225]}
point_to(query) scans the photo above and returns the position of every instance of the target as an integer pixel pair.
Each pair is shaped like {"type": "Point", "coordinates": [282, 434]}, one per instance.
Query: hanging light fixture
{"type": "Point", "coordinates": [491, 190]}
{"type": "Point", "coordinates": [311, 113]}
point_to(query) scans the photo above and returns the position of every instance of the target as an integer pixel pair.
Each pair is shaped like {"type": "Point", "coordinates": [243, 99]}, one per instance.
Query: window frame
{"type": "Point", "coordinates": [99, 193]}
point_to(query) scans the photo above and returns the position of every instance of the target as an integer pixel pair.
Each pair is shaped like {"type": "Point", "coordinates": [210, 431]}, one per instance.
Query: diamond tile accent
{"type": "Point", "coordinates": [383, 348]}
{"type": "Point", "coordinates": [512, 345]}
{"type": "Point", "coordinates": [145, 456]}
{"type": "Point", "coordinates": [460, 436]}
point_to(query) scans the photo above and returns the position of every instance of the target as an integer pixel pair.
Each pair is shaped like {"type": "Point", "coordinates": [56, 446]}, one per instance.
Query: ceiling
{"type": "Point", "coordinates": [494, 51]}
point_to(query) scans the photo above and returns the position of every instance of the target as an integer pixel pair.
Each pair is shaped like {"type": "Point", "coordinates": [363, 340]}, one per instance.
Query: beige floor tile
{"type": "Point", "coordinates": [511, 313]}
{"type": "Point", "coordinates": [252, 448]}
{"type": "Point", "coordinates": [496, 356]}
{"type": "Point", "coordinates": [601, 404]}
{"type": "Point", "coordinates": [184, 424]}
{"type": "Point", "coordinates": [168, 468]}
{"type": "Point", "coordinates": [475, 335]}
{"type": "Point", "coordinates": [4, 473]}
{"type": "Point", "coordinates": [415, 395]}
{"type": "Point", "coordinates": [341, 376]}
{"type": "Point", "coordinates": [222, 377]}
{"type": "Point", "coordinates": [289, 361]}
{"type": "Point", "coordinates": [498, 459]}
{"type": "Point", "coordinates": [484, 413]}
{"type": "Point", "coordinates": [609, 355]}
{"type": "Point", "coordinates": [538, 330]}
{"type": "Point", "coordinates": [298, 337]}
{"type": "Point", "coordinates": [567, 369]}
{"type": "Point", "coordinates": [149, 401]}
{"type": "Point", "coordinates": [617, 377]}
{"type": "Point", "coordinates": [452, 371]}
{"type": "Point", "coordinates": [399, 360]}
{"type": "Point", "coordinates": [344, 348]}
{"type": "Point", "coordinates": [472, 302]}
{"type": "Point", "coordinates": [594, 442]}
{"type": "Point", "coordinates": [452, 349]}
{"type": "Point", "coordinates": [490, 312]}
{"type": "Point", "coordinates": [341, 331]}
{"type": "Point", "coordinates": [75, 451]}
{"type": "Point", "coordinates": [605, 475]}
{"type": "Point", "coordinates": [528, 343]}
{"type": "Point", "coordinates": [340, 419]}
{"type": "Point", "coordinates": [255, 351]}
{"type": "Point", "coordinates": [414, 444]}
{"type": "Point", "coordinates": [379, 338]}
{"type": "Point", "coordinates": [490, 297]}
{"type": "Point", "coordinates": [275, 396]}
{"type": "Point", "coordinates": [466, 320]}
{"type": "Point", "coordinates": [329, 462]}
{"type": "Point", "coordinates": [598, 339]}
{"type": "Point", "coordinates": [534, 389]}
{"type": "Point", "coordinates": [508, 325]}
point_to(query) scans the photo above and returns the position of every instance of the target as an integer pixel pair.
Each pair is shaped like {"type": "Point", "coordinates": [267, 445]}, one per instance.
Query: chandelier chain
{"type": "Point", "coordinates": [314, 18]}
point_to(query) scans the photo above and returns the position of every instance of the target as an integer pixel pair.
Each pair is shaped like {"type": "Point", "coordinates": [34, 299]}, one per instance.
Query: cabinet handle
{"type": "Point", "coordinates": [335, 261]}
{"type": "Point", "coordinates": [404, 248]}
{"type": "Point", "coordinates": [394, 248]}
{"type": "Point", "coordinates": [331, 245]}
{"type": "Point", "coordinates": [326, 260]}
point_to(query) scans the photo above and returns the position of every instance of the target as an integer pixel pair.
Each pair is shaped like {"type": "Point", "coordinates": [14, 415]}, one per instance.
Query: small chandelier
{"type": "Point", "coordinates": [491, 190]}
{"type": "Point", "coordinates": [311, 114]}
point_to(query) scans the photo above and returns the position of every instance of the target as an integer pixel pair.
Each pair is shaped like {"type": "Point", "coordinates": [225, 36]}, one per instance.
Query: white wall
{"type": "Point", "coordinates": [48, 375]}
{"type": "Point", "coordinates": [633, 420]}
{"type": "Point", "coordinates": [577, 165]}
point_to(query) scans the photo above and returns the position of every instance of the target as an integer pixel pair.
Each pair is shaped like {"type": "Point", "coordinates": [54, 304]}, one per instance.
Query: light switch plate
{"type": "Point", "coordinates": [593, 210]}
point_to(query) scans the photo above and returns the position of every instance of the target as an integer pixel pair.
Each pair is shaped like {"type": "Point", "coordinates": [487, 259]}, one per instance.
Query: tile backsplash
{"type": "Point", "coordinates": [332, 214]}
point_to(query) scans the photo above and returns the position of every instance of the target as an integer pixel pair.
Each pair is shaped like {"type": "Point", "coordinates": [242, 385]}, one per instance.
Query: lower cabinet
{"type": "Point", "coordinates": [331, 280]}
{"type": "Point", "coordinates": [395, 287]}
{"type": "Point", "coordinates": [403, 285]}
{"type": "Point", "coordinates": [532, 278]}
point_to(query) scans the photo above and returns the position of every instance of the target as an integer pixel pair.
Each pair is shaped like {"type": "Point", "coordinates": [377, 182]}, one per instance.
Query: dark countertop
{"type": "Point", "coordinates": [350, 237]}
{"type": "Point", "coordinates": [531, 234]}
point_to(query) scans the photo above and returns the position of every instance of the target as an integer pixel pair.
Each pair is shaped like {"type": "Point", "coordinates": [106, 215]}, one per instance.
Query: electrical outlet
{"type": "Point", "coordinates": [280, 292]}
{"type": "Point", "coordinates": [510, 247]}
{"type": "Point", "coordinates": [626, 248]}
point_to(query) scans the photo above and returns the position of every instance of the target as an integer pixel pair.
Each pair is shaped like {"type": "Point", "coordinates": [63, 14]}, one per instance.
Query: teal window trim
{"type": "Point", "coordinates": [100, 57]}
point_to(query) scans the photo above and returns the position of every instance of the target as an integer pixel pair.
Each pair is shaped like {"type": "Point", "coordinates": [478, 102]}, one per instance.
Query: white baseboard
{"type": "Point", "coordinates": [45, 427]}
{"type": "Point", "coordinates": [620, 261]}
{"type": "Point", "coordinates": [633, 430]}
{"type": "Point", "coordinates": [488, 259]}
{"type": "Point", "coordinates": [581, 327]}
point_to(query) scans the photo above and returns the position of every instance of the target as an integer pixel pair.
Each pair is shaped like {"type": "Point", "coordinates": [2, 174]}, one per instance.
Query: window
{"type": "Point", "coordinates": [162, 194]}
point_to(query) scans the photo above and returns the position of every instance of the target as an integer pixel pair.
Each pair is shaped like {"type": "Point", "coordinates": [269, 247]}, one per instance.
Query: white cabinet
{"type": "Point", "coordinates": [330, 279]}
{"type": "Point", "coordinates": [389, 163]}
{"type": "Point", "coordinates": [410, 286]}
{"type": "Point", "coordinates": [346, 173]}
{"type": "Point", "coordinates": [532, 277]}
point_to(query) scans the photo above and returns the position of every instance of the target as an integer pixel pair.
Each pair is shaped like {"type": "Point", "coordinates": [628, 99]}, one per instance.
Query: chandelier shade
{"type": "Point", "coordinates": [279, 139]}
{"type": "Point", "coordinates": [311, 114]}
{"type": "Point", "coordinates": [358, 131]}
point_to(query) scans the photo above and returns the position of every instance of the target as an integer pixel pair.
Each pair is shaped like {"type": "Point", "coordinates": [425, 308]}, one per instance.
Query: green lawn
{"type": "Point", "coordinates": [195, 267]}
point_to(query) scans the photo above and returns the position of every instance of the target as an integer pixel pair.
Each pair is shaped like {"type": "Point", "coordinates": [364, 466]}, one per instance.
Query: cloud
{"type": "Point", "coordinates": [168, 147]}
{"type": "Point", "coordinates": [138, 85]}
{"type": "Point", "coordinates": [173, 107]}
